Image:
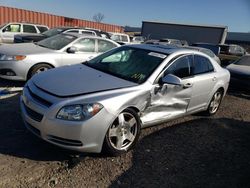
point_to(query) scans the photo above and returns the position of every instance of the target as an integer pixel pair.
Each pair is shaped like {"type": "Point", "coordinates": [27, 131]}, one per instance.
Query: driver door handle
{"type": "Point", "coordinates": [187, 85]}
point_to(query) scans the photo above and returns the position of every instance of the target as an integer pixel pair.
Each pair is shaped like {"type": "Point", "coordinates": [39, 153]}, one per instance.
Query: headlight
{"type": "Point", "coordinates": [12, 57]}
{"type": "Point", "coordinates": [79, 112]}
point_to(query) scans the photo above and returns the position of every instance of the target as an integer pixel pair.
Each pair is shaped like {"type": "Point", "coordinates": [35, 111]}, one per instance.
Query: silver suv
{"type": "Point", "coordinates": [7, 31]}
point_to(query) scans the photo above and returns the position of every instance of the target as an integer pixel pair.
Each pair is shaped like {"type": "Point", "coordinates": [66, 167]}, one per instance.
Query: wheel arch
{"type": "Point", "coordinates": [30, 69]}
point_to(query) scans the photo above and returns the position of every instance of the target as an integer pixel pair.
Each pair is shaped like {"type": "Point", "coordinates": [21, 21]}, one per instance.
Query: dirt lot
{"type": "Point", "coordinates": [194, 151]}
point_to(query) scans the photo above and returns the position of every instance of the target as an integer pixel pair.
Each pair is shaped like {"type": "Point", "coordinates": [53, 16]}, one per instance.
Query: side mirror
{"type": "Point", "coordinates": [171, 79]}
{"type": "Point", "coordinates": [71, 50]}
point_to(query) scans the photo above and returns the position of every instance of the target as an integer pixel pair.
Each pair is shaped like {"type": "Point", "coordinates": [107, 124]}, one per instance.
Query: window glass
{"type": "Point", "coordinates": [115, 38]}
{"type": "Point", "coordinates": [56, 42]}
{"type": "Point", "coordinates": [88, 33]}
{"type": "Point", "coordinates": [29, 29]}
{"type": "Point", "coordinates": [72, 31]}
{"type": "Point", "coordinates": [180, 67]}
{"type": "Point", "coordinates": [245, 60]}
{"type": "Point", "coordinates": [128, 63]}
{"type": "Point", "coordinates": [104, 46]}
{"type": "Point", "coordinates": [201, 65]}
{"type": "Point", "coordinates": [13, 28]}
{"type": "Point", "coordinates": [124, 38]}
{"type": "Point", "coordinates": [42, 29]}
{"type": "Point", "coordinates": [52, 32]}
{"type": "Point", "coordinates": [85, 45]}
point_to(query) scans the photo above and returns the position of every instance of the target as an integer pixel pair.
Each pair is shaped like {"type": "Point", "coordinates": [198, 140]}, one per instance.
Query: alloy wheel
{"type": "Point", "coordinates": [122, 133]}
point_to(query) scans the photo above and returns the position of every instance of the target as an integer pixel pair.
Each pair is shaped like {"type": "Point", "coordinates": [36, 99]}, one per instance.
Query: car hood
{"type": "Point", "coordinates": [22, 49]}
{"type": "Point", "coordinates": [76, 80]}
{"type": "Point", "coordinates": [239, 69]}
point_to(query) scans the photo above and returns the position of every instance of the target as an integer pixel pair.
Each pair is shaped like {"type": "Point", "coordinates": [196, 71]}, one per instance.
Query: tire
{"type": "Point", "coordinates": [122, 134]}
{"type": "Point", "coordinates": [38, 68]}
{"type": "Point", "coordinates": [215, 102]}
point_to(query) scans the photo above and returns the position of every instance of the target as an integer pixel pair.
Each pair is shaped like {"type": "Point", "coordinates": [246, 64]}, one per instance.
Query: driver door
{"type": "Point", "coordinates": [9, 32]}
{"type": "Point", "coordinates": [168, 101]}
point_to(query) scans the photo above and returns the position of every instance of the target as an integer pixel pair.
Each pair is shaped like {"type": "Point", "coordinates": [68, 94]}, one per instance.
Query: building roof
{"type": "Point", "coordinates": [236, 36]}
{"type": "Point", "coordinates": [132, 29]}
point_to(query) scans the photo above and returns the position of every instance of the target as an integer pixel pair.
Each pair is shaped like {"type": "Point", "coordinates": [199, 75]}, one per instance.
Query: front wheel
{"type": "Point", "coordinates": [39, 68]}
{"type": "Point", "coordinates": [123, 133]}
{"type": "Point", "coordinates": [215, 103]}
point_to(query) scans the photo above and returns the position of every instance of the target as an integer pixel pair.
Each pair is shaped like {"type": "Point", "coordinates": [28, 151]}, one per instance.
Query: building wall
{"type": "Point", "coordinates": [8, 14]}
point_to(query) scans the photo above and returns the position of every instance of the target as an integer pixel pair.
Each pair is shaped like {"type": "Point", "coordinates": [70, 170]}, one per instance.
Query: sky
{"type": "Point", "coordinates": [232, 13]}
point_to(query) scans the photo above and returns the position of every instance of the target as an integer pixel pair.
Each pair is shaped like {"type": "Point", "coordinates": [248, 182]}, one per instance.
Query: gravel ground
{"type": "Point", "coordinates": [194, 151]}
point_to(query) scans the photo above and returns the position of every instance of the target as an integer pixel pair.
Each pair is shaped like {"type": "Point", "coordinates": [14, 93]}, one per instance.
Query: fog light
{"type": "Point", "coordinates": [10, 74]}
{"type": "Point", "coordinates": [7, 72]}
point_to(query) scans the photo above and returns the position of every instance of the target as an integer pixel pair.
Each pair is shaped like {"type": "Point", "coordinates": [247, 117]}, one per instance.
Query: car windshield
{"type": "Point", "coordinates": [52, 32]}
{"type": "Point", "coordinates": [245, 60]}
{"type": "Point", "coordinates": [128, 63]}
{"type": "Point", "coordinates": [56, 42]}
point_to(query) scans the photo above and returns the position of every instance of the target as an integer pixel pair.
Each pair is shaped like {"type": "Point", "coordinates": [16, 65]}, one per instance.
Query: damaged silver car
{"type": "Point", "coordinates": [102, 104]}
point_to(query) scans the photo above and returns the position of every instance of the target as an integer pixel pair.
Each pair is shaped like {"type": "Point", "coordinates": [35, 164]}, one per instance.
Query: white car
{"type": "Point", "coordinates": [121, 38]}
{"type": "Point", "coordinates": [102, 104]}
{"type": "Point", "coordinates": [8, 31]}
{"type": "Point", "coordinates": [21, 61]}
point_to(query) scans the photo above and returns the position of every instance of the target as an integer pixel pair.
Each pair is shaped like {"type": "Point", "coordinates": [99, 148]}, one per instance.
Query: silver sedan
{"type": "Point", "coordinates": [103, 103]}
{"type": "Point", "coordinates": [22, 61]}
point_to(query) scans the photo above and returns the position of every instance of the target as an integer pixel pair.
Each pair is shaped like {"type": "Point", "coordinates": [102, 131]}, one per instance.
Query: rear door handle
{"type": "Point", "coordinates": [214, 78]}
{"type": "Point", "coordinates": [187, 85]}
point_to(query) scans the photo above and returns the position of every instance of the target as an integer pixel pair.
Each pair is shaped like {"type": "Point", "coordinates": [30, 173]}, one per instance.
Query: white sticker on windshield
{"type": "Point", "coordinates": [157, 55]}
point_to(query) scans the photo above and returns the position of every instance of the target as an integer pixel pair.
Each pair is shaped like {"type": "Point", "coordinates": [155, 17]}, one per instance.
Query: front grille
{"type": "Point", "coordinates": [39, 99]}
{"type": "Point", "coordinates": [33, 129]}
{"type": "Point", "coordinates": [33, 114]}
{"type": "Point", "coordinates": [64, 141]}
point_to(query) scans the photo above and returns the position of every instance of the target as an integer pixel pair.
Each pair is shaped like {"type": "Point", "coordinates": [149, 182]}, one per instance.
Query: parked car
{"type": "Point", "coordinates": [164, 41]}
{"type": "Point", "coordinates": [232, 49]}
{"type": "Point", "coordinates": [138, 39]}
{"type": "Point", "coordinates": [22, 61]}
{"type": "Point", "coordinates": [120, 38]}
{"type": "Point", "coordinates": [132, 87]}
{"type": "Point", "coordinates": [240, 72]}
{"type": "Point", "coordinates": [99, 32]}
{"type": "Point", "coordinates": [213, 47]}
{"type": "Point", "coordinates": [8, 31]}
{"type": "Point", "coordinates": [37, 37]}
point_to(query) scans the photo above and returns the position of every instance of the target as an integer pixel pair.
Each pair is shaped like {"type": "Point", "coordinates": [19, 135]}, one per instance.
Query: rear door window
{"type": "Point", "coordinates": [42, 29]}
{"type": "Point", "coordinates": [104, 45]}
{"type": "Point", "coordinates": [201, 65]}
{"type": "Point", "coordinates": [85, 45]}
{"type": "Point", "coordinates": [29, 29]}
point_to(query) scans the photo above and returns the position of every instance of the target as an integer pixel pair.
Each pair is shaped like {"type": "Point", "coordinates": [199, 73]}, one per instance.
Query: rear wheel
{"type": "Point", "coordinates": [39, 68]}
{"type": "Point", "coordinates": [123, 133]}
{"type": "Point", "coordinates": [215, 103]}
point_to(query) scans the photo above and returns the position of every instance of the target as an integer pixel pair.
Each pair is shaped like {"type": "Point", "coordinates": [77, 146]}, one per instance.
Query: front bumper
{"type": "Point", "coordinates": [83, 136]}
{"type": "Point", "coordinates": [18, 67]}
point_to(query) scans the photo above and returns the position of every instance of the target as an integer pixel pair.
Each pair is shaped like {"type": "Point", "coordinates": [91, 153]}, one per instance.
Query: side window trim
{"type": "Point", "coordinates": [170, 63]}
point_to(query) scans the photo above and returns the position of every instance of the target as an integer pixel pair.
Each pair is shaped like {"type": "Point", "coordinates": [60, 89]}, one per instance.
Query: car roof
{"type": "Point", "coordinates": [86, 35]}
{"type": "Point", "coordinates": [165, 49]}
{"type": "Point", "coordinates": [27, 23]}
